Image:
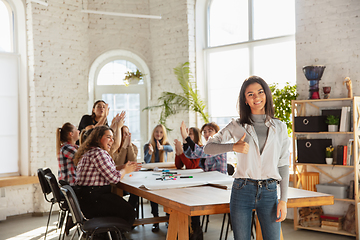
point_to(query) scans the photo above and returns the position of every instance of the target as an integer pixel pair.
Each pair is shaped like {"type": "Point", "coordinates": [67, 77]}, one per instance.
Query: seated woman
{"type": "Point", "coordinates": [193, 151]}
{"type": "Point", "coordinates": [156, 151]}
{"type": "Point", "coordinates": [127, 152]}
{"type": "Point", "coordinates": [95, 172]}
{"type": "Point", "coordinates": [180, 158]}
{"type": "Point", "coordinates": [66, 137]}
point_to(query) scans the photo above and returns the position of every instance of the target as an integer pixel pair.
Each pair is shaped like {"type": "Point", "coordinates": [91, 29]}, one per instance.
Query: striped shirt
{"type": "Point", "coordinates": [66, 165]}
{"type": "Point", "coordinates": [96, 168]}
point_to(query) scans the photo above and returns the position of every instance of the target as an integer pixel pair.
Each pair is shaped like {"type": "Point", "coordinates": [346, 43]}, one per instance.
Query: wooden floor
{"type": "Point", "coordinates": [27, 227]}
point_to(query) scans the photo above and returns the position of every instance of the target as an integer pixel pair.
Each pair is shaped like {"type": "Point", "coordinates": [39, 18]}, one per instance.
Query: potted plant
{"type": "Point", "coordinates": [282, 98]}
{"type": "Point", "coordinates": [132, 77]}
{"type": "Point", "coordinates": [329, 154]}
{"type": "Point", "coordinates": [333, 123]}
{"type": "Point", "coordinates": [172, 103]}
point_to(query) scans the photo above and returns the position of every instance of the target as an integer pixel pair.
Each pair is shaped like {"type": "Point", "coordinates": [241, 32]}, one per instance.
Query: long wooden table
{"type": "Point", "coordinates": [181, 203]}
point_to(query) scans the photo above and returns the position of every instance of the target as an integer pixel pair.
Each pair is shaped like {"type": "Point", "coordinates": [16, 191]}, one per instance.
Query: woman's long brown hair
{"type": "Point", "coordinates": [92, 141]}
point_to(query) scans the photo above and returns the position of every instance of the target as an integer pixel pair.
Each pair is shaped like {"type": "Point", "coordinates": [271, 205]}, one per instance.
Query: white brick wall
{"type": "Point", "coordinates": [62, 44]}
{"type": "Point", "coordinates": [327, 33]}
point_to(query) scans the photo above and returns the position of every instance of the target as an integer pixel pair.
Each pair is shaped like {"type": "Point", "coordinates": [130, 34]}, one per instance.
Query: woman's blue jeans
{"type": "Point", "coordinates": [246, 196]}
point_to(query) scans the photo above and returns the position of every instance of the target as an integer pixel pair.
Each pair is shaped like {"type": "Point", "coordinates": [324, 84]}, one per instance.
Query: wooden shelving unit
{"type": "Point", "coordinates": [300, 108]}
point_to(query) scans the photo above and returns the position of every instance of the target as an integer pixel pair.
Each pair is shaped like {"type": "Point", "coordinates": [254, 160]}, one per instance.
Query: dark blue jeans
{"type": "Point", "coordinates": [246, 196]}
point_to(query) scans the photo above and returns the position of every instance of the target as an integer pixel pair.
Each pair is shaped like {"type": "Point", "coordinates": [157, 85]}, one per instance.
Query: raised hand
{"type": "Point", "coordinates": [178, 147]}
{"type": "Point", "coordinates": [106, 110]}
{"type": "Point", "coordinates": [114, 122]}
{"type": "Point", "coordinates": [151, 149]}
{"type": "Point", "coordinates": [121, 119]}
{"type": "Point", "coordinates": [241, 146]}
{"type": "Point", "coordinates": [184, 131]}
{"type": "Point", "coordinates": [127, 140]}
{"type": "Point", "coordinates": [159, 146]}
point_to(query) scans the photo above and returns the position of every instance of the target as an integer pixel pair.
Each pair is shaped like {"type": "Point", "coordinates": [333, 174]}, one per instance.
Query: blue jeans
{"type": "Point", "coordinates": [246, 196]}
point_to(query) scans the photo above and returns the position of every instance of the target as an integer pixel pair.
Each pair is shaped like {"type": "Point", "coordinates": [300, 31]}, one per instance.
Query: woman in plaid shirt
{"type": "Point", "coordinates": [66, 136]}
{"type": "Point", "coordinates": [95, 172]}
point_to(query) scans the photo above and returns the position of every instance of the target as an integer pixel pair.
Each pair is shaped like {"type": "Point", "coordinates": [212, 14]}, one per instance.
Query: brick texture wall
{"type": "Point", "coordinates": [327, 33]}
{"type": "Point", "coordinates": [63, 43]}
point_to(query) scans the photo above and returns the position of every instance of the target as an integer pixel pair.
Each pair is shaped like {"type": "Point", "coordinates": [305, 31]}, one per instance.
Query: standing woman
{"type": "Point", "coordinates": [156, 150]}
{"type": "Point", "coordinates": [98, 117]}
{"type": "Point", "coordinates": [66, 137]}
{"type": "Point", "coordinates": [95, 172]}
{"type": "Point", "coordinates": [262, 146]}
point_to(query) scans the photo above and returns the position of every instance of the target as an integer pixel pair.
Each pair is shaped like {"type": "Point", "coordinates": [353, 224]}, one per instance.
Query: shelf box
{"type": "Point", "coordinates": [311, 124]}
{"type": "Point", "coordinates": [339, 191]}
{"type": "Point", "coordinates": [312, 150]}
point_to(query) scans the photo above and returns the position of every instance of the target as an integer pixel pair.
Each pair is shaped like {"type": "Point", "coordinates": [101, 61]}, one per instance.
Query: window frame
{"type": "Point", "coordinates": [19, 50]}
{"type": "Point", "coordinates": [250, 44]}
{"type": "Point", "coordinates": [143, 89]}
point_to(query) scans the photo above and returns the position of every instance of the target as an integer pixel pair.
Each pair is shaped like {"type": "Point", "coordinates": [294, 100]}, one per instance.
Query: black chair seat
{"type": "Point", "coordinates": [104, 224]}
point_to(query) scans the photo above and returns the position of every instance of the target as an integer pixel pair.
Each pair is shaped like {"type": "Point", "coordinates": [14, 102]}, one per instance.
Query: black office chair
{"type": "Point", "coordinates": [92, 226]}
{"type": "Point", "coordinates": [45, 187]}
{"type": "Point", "coordinates": [60, 199]}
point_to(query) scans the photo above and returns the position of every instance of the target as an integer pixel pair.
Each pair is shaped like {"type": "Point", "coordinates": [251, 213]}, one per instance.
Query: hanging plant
{"type": "Point", "coordinates": [131, 77]}
{"type": "Point", "coordinates": [173, 103]}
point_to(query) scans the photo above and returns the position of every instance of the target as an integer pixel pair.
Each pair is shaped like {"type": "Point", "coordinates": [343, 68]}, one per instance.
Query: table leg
{"type": "Point", "coordinates": [258, 231]}
{"type": "Point", "coordinates": [178, 226]}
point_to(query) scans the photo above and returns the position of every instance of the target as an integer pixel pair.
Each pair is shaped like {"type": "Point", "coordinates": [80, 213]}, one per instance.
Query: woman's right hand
{"type": "Point", "coordinates": [241, 146]}
{"type": "Point", "coordinates": [106, 110]}
{"type": "Point", "coordinates": [130, 167]}
{"type": "Point", "coordinates": [184, 131]}
{"type": "Point", "coordinates": [151, 149]}
{"type": "Point", "coordinates": [178, 147]}
{"type": "Point", "coordinates": [127, 141]}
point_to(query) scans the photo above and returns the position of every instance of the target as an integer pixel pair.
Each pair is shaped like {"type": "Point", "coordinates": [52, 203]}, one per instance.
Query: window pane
{"type": "Point", "coordinates": [9, 154]}
{"type": "Point", "coordinates": [113, 73]}
{"type": "Point", "coordinates": [227, 71]}
{"type": "Point", "coordinates": [5, 28]}
{"type": "Point", "coordinates": [228, 22]}
{"type": "Point", "coordinates": [9, 145]}
{"type": "Point", "coordinates": [129, 103]}
{"type": "Point", "coordinates": [273, 18]}
{"type": "Point", "coordinates": [276, 63]}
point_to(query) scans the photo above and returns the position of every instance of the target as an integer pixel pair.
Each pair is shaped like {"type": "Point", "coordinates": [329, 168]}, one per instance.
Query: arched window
{"type": "Point", "coordinates": [244, 38]}
{"type": "Point", "coordinates": [6, 27]}
{"type": "Point", "coordinates": [122, 95]}
{"type": "Point", "coordinates": [13, 90]}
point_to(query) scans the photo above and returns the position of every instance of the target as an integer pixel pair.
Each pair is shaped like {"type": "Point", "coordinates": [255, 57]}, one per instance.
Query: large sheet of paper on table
{"type": "Point", "coordinates": [199, 177]}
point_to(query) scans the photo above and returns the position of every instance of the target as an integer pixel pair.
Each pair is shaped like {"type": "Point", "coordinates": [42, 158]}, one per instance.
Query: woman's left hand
{"type": "Point", "coordinates": [159, 146]}
{"type": "Point", "coordinates": [281, 210]}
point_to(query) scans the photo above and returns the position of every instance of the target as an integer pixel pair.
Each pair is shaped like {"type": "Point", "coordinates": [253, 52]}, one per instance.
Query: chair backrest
{"type": "Point", "coordinates": [54, 186]}
{"type": "Point", "coordinates": [230, 169]}
{"type": "Point", "coordinates": [45, 187]}
{"type": "Point", "coordinates": [73, 203]}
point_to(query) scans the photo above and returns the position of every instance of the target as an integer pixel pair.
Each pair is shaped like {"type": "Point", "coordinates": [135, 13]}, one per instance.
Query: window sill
{"type": "Point", "coordinates": [18, 180]}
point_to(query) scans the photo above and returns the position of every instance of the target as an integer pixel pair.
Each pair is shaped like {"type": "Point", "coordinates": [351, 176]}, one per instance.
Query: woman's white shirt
{"type": "Point", "coordinates": [253, 164]}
